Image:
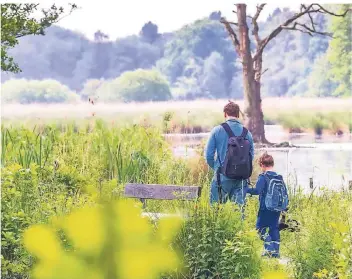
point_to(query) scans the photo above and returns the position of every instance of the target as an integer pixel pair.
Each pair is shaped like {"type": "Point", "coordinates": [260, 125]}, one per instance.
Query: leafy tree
{"type": "Point", "coordinates": [182, 56]}
{"type": "Point", "coordinates": [197, 40]}
{"type": "Point", "coordinates": [90, 88]}
{"type": "Point", "coordinates": [149, 32]}
{"type": "Point", "coordinates": [319, 81]}
{"type": "Point", "coordinates": [53, 56]}
{"type": "Point", "coordinates": [187, 86]}
{"type": "Point", "coordinates": [215, 15]}
{"type": "Point", "coordinates": [340, 53]}
{"type": "Point", "coordinates": [36, 91]}
{"type": "Point", "coordinates": [213, 79]}
{"type": "Point", "coordinates": [99, 36]}
{"type": "Point", "coordinates": [129, 54]}
{"type": "Point", "coordinates": [236, 87]}
{"type": "Point", "coordinates": [17, 21]}
{"type": "Point", "coordinates": [101, 56]}
{"type": "Point", "coordinates": [140, 85]}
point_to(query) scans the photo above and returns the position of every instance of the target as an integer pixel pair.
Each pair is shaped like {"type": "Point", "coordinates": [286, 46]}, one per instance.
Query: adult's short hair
{"type": "Point", "coordinates": [232, 109]}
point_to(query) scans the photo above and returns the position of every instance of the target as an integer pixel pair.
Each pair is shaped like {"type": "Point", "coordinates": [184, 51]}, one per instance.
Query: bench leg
{"type": "Point", "coordinates": [144, 201]}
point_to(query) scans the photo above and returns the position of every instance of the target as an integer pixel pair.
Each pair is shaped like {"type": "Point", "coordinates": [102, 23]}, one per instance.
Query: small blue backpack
{"type": "Point", "coordinates": [276, 197]}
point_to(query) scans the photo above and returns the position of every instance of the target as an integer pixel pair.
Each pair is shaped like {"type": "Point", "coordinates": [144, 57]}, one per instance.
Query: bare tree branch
{"type": "Point", "coordinates": [259, 75]}
{"type": "Point", "coordinates": [264, 71]}
{"type": "Point", "coordinates": [307, 30]}
{"type": "Point", "coordinates": [233, 23]}
{"type": "Point", "coordinates": [323, 10]}
{"type": "Point", "coordinates": [235, 12]}
{"type": "Point", "coordinates": [277, 30]}
{"type": "Point", "coordinates": [294, 28]}
{"type": "Point", "coordinates": [310, 17]}
{"type": "Point", "coordinates": [232, 34]}
{"type": "Point", "coordinates": [305, 10]}
{"type": "Point", "coordinates": [50, 15]}
{"type": "Point", "coordinates": [255, 24]}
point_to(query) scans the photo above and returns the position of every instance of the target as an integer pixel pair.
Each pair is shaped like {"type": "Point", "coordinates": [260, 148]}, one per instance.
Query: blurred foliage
{"type": "Point", "coordinates": [112, 241]}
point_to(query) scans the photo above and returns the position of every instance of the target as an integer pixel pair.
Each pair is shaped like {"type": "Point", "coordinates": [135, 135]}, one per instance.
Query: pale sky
{"type": "Point", "coordinates": [119, 18]}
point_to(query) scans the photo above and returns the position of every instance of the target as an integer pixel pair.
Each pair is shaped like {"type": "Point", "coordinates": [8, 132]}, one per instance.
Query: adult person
{"type": "Point", "coordinates": [224, 187]}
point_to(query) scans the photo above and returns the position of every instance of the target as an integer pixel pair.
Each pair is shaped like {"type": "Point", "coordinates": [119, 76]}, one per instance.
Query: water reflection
{"type": "Point", "coordinates": [327, 164]}
{"type": "Point", "coordinates": [326, 168]}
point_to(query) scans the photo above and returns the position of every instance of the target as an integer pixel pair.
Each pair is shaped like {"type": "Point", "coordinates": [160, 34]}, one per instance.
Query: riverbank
{"type": "Point", "coordinates": [328, 116]}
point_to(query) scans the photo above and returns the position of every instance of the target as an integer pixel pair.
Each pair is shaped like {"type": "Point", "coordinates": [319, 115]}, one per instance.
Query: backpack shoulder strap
{"type": "Point", "coordinates": [244, 132]}
{"type": "Point", "coordinates": [228, 130]}
{"type": "Point", "coordinates": [267, 182]}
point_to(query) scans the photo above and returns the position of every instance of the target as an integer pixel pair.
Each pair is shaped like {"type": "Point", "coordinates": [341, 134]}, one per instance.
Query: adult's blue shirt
{"type": "Point", "coordinates": [217, 143]}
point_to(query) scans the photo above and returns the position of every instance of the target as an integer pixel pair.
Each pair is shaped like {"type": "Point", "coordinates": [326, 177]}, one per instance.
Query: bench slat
{"type": "Point", "coordinates": [162, 192]}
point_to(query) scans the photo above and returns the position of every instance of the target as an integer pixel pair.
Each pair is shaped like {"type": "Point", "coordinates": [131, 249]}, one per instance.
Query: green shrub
{"type": "Point", "coordinates": [28, 195]}
{"type": "Point", "coordinates": [216, 243]}
{"type": "Point", "coordinates": [139, 86]}
{"type": "Point", "coordinates": [36, 91]}
{"type": "Point", "coordinates": [324, 242]}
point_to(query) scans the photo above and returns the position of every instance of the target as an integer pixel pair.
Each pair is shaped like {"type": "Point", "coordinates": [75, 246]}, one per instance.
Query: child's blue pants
{"type": "Point", "coordinates": [268, 228]}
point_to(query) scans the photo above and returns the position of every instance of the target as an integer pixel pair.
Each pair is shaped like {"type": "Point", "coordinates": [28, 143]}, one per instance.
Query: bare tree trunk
{"type": "Point", "coordinates": [254, 118]}
{"type": "Point", "coordinates": [252, 65]}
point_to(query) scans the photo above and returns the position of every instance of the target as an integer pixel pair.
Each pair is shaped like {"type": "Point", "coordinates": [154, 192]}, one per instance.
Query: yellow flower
{"type": "Point", "coordinates": [168, 227]}
{"type": "Point", "coordinates": [85, 228]}
{"type": "Point", "coordinates": [275, 275]}
{"type": "Point", "coordinates": [321, 274]}
{"type": "Point", "coordinates": [42, 242]}
{"type": "Point", "coordinates": [115, 239]}
{"type": "Point", "coordinates": [67, 267]}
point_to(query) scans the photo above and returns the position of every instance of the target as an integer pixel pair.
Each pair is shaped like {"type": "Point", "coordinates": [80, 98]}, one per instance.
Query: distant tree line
{"type": "Point", "coordinates": [197, 61]}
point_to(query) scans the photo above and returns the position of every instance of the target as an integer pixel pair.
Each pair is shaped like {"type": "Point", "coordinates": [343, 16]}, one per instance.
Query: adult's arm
{"type": "Point", "coordinates": [211, 149]}
{"type": "Point", "coordinates": [250, 139]}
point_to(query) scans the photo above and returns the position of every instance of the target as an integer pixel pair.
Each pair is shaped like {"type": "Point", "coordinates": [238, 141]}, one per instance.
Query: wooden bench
{"type": "Point", "coordinates": [145, 192]}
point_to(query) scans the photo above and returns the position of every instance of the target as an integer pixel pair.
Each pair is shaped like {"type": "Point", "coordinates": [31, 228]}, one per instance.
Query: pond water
{"type": "Point", "coordinates": [325, 161]}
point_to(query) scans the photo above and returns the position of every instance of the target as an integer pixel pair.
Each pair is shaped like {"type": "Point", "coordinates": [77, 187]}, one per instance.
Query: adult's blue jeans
{"type": "Point", "coordinates": [231, 190]}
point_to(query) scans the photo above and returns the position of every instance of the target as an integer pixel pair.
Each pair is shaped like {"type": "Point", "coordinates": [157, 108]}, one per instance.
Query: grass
{"type": "Point", "coordinates": [51, 170]}
{"type": "Point", "coordinates": [295, 114]}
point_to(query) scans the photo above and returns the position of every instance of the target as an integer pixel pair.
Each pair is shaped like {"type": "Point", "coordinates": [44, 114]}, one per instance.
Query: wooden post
{"type": "Point", "coordinates": [311, 185]}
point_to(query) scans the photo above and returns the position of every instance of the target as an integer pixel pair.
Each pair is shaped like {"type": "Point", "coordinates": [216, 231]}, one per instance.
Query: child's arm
{"type": "Point", "coordinates": [259, 186]}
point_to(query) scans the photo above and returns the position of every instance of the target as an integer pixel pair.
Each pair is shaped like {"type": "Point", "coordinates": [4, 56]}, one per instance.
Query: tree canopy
{"type": "Point", "coordinates": [17, 20]}
{"type": "Point", "coordinates": [340, 53]}
{"type": "Point", "coordinates": [197, 60]}
{"type": "Point", "coordinates": [140, 85]}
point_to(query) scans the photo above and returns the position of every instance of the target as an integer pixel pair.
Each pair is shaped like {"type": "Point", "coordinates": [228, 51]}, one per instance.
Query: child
{"type": "Point", "coordinates": [269, 219]}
